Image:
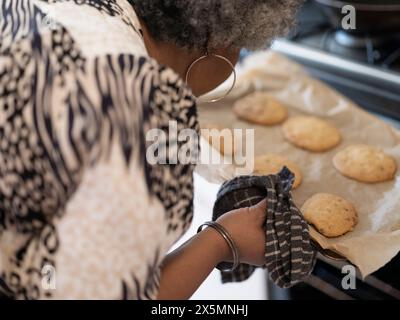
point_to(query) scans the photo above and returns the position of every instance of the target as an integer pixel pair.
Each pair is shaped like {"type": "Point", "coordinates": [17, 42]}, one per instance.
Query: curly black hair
{"type": "Point", "coordinates": [201, 24]}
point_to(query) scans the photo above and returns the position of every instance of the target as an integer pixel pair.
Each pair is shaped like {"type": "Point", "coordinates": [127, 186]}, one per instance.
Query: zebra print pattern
{"type": "Point", "coordinates": [150, 287]}
{"type": "Point", "coordinates": [53, 128]}
{"type": "Point", "coordinates": [107, 7]}
{"type": "Point", "coordinates": [19, 19]}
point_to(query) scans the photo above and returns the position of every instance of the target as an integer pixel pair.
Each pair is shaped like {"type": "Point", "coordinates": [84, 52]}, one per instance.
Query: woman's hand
{"type": "Point", "coordinates": [245, 226]}
{"type": "Point", "coordinates": [188, 266]}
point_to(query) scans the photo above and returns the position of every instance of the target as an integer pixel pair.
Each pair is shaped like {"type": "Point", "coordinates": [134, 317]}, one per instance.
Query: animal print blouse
{"type": "Point", "coordinates": [82, 213]}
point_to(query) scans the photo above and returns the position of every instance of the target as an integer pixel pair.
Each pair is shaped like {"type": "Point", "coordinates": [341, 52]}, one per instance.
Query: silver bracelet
{"type": "Point", "coordinates": [225, 234]}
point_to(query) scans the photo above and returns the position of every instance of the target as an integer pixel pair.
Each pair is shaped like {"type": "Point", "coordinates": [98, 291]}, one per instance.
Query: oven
{"type": "Point", "coordinates": [365, 67]}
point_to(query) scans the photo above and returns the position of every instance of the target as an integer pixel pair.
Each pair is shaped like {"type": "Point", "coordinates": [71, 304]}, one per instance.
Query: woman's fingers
{"type": "Point", "coordinates": [260, 208]}
{"type": "Point", "coordinates": [245, 225]}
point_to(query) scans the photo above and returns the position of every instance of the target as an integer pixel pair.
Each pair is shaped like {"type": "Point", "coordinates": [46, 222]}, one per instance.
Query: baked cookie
{"type": "Point", "coordinates": [331, 215]}
{"type": "Point", "coordinates": [260, 108]}
{"type": "Point", "coordinates": [273, 163]}
{"type": "Point", "coordinates": [365, 164]}
{"type": "Point", "coordinates": [220, 138]}
{"type": "Point", "coordinates": [311, 133]}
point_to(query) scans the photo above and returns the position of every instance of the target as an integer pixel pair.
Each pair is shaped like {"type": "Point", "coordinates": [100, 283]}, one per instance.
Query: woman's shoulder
{"type": "Point", "coordinates": [96, 27]}
{"type": "Point", "coordinates": [88, 40]}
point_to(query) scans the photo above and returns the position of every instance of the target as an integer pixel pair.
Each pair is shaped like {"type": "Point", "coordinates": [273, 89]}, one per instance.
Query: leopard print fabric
{"type": "Point", "coordinates": [76, 191]}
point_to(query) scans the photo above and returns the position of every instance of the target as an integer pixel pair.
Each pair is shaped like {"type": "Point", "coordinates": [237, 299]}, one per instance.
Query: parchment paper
{"type": "Point", "coordinates": [376, 238]}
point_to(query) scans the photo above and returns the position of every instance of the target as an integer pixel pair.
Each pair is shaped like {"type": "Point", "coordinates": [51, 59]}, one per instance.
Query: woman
{"type": "Point", "coordinates": [83, 214]}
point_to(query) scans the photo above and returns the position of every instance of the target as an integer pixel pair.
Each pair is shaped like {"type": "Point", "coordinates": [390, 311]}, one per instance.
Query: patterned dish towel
{"type": "Point", "coordinates": [289, 254]}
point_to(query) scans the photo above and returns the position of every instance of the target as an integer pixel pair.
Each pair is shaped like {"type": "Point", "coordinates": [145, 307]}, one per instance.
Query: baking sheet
{"type": "Point", "coordinates": [376, 238]}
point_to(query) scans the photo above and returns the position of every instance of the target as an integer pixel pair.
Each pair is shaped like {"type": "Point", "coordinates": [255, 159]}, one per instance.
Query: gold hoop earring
{"type": "Point", "coordinates": [207, 55]}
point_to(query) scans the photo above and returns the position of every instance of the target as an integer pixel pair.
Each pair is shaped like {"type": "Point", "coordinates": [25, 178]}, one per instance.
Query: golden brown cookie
{"type": "Point", "coordinates": [260, 108]}
{"type": "Point", "coordinates": [365, 164]}
{"type": "Point", "coordinates": [331, 215]}
{"type": "Point", "coordinates": [273, 163]}
{"type": "Point", "coordinates": [220, 138]}
{"type": "Point", "coordinates": [311, 133]}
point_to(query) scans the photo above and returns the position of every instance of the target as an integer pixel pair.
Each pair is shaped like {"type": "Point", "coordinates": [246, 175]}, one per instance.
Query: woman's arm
{"type": "Point", "coordinates": [185, 269]}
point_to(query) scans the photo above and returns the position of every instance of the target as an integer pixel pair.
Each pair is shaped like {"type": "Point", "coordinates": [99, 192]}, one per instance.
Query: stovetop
{"type": "Point", "coordinates": [364, 68]}
{"type": "Point", "coordinates": [314, 30]}
{"type": "Point", "coordinates": [380, 53]}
